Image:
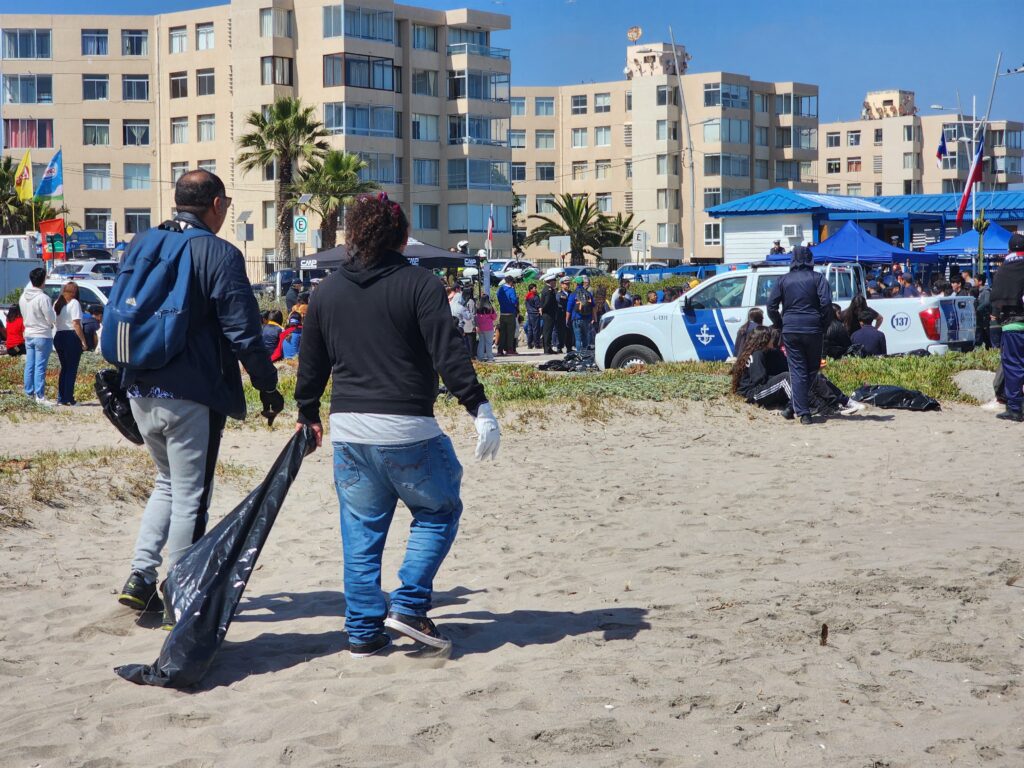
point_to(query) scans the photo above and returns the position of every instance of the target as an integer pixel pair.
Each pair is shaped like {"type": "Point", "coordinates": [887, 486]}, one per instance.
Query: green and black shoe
{"type": "Point", "coordinates": [140, 594]}
{"type": "Point", "coordinates": [169, 621]}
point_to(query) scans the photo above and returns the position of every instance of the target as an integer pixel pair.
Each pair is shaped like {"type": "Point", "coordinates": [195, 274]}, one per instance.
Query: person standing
{"type": "Point", "coordinates": [549, 314]}
{"type": "Point", "coordinates": [534, 330]}
{"type": "Point", "coordinates": [387, 444]}
{"type": "Point", "coordinates": [565, 337]}
{"type": "Point", "coordinates": [776, 248]}
{"type": "Point", "coordinates": [485, 316]}
{"type": "Point", "coordinates": [508, 308]}
{"type": "Point", "coordinates": [181, 408]}
{"type": "Point", "coordinates": [601, 308]}
{"type": "Point", "coordinates": [621, 299]}
{"type": "Point", "coordinates": [983, 311]}
{"type": "Point", "coordinates": [291, 296]}
{"type": "Point", "coordinates": [579, 313]}
{"type": "Point", "coordinates": [69, 341]}
{"type": "Point", "coordinates": [469, 320]}
{"type": "Point", "coordinates": [39, 317]}
{"type": "Point", "coordinates": [1008, 311]}
{"type": "Point", "coordinates": [806, 301]}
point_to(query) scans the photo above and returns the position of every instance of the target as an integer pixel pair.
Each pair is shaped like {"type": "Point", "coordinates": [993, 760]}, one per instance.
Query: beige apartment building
{"type": "Point", "coordinates": [135, 101]}
{"type": "Point", "coordinates": [892, 149]}
{"type": "Point", "coordinates": [624, 144]}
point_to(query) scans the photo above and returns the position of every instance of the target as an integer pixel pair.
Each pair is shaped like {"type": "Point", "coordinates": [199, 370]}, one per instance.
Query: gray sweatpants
{"type": "Point", "coordinates": [183, 437]}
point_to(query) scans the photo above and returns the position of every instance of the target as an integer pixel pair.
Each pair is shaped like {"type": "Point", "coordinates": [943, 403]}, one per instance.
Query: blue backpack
{"type": "Point", "coordinates": [145, 324]}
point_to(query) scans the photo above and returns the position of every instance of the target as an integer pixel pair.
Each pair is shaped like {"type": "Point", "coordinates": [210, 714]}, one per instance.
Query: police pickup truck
{"type": "Point", "coordinates": [703, 323]}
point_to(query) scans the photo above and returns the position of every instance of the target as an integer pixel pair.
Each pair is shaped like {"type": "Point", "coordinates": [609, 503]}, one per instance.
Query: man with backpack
{"type": "Point", "coordinates": [579, 311]}
{"type": "Point", "coordinates": [181, 317]}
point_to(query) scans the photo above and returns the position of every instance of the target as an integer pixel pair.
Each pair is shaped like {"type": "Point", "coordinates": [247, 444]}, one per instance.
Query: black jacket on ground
{"type": "Point", "coordinates": [763, 364]}
{"type": "Point", "coordinates": [383, 334]}
{"type": "Point", "coordinates": [805, 297]}
{"type": "Point", "coordinates": [837, 340]}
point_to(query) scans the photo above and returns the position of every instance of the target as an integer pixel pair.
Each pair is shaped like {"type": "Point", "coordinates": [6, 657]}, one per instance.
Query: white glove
{"type": "Point", "coordinates": [488, 433]}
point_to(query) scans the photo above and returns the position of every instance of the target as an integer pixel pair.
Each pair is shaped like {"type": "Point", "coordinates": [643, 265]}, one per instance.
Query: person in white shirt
{"type": "Point", "coordinates": [39, 318]}
{"type": "Point", "coordinates": [69, 341]}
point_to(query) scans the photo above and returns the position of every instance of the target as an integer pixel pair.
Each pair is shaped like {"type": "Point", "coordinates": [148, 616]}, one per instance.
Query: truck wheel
{"type": "Point", "coordinates": [635, 354]}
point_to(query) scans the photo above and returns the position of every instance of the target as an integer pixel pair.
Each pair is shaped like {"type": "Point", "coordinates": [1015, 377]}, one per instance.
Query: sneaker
{"type": "Point", "coordinates": [1008, 415]}
{"type": "Point", "coordinates": [42, 401]}
{"type": "Point", "coordinates": [852, 407]}
{"type": "Point", "coordinates": [140, 594]}
{"type": "Point", "coordinates": [787, 413]}
{"type": "Point", "coordinates": [168, 621]}
{"type": "Point", "coordinates": [419, 628]}
{"type": "Point", "coordinates": [365, 650]}
{"type": "Point", "coordinates": [806, 419]}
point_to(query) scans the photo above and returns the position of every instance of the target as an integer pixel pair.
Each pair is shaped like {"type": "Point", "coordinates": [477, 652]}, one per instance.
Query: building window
{"type": "Point", "coordinates": [381, 167]}
{"type": "Point", "coordinates": [517, 139]}
{"type": "Point", "coordinates": [760, 169]}
{"type": "Point", "coordinates": [518, 172]}
{"type": "Point", "coordinates": [603, 169]}
{"type": "Point", "coordinates": [544, 171]}
{"type": "Point", "coordinates": [727, 130]}
{"type": "Point", "coordinates": [210, 166]}
{"type": "Point", "coordinates": [833, 140]}
{"type": "Point", "coordinates": [853, 165]}
{"type": "Point", "coordinates": [95, 87]}
{"type": "Point", "coordinates": [424, 38]}
{"type": "Point", "coordinates": [96, 177]}
{"type": "Point", "coordinates": [269, 215]}
{"type": "Point", "coordinates": [579, 105]}
{"type": "Point", "coordinates": [270, 171]}
{"type": "Point", "coordinates": [853, 190]}
{"type": "Point", "coordinates": [668, 199]}
{"type": "Point", "coordinates": [712, 197]}
{"type": "Point", "coordinates": [471, 173]}
{"type": "Point", "coordinates": [876, 163]}
{"type": "Point", "coordinates": [204, 36]}
{"type": "Point", "coordinates": [726, 165]}
{"type": "Point", "coordinates": [878, 137]}
{"type": "Point", "coordinates": [603, 136]}
{"type": "Point", "coordinates": [96, 218]}
{"type": "Point", "coordinates": [517, 105]}
{"type": "Point", "coordinates": [579, 170]}
{"type": "Point", "coordinates": [579, 138]}
{"type": "Point", "coordinates": [713, 233]}
{"type": "Point", "coordinates": [666, 130]}
{"type": "Point", "coordinates": [135, 87]}
{"type": "Point", "coordinates": [544, 106]}
{"type": "Point", "coordinates": [667, 165]}
{"type": "Point", "coordinates": [474, 218]}
{"type": "Point", "coordinates": [544, 204]}
{"type": "Point", "coordinates": [28, 89]}
{"type": "Point", "coordinates": [96, 133]}
{"type": "Point", "coordinates": [275, 70]}
{"type": "Point", "coordinates": [604, 202]}
{"type": "Point", "coordinates": [908, 161]}
{"type": "Point", "coordinates": [726, 95]}
{"type": "Point", "coordinates": [28, 134]}
{"type": "Point", "coordinates": [424, 127]}
{"type": "Point", "coordinates": [136, 220]}
{"type": "Point", "coordinates": [853, 138]}
{"type": "Point", "coordinates": [136, 176]}
{"type": "Point", "coordinates": [364, 23]}
{"type": "Point", "coordinates": [833, 189]}
{"type": "Point", "coordinates": [787, 170]}
{"type": "Point", "coordinates": [334, 24]}
{"type": "Point", "coordinates": [94, 42]}
{"type": "Point", "coordinates": [951, 162]}
{"type": "Point", "coordinates": [207, 127]}
{"type": "Point", "coordinates": [179, 130]}
{"type": "Point", "coordinates": [177, 171]}
{"type": "Point", "coordinates": [833, 165]}
{"type": "Point", "coordinates": [177, 39]}
{"type": "Point", "coordinates": [205, 82]}
{"type": "Point", "coordinates": [783, 138]}
{"type": "Point", "coordinates": [480, 85]}
{"type": "Point", "coordinates": [361, 72]}
{"type": "Point", "coordinates": [602, 103]}
{"type": "Point", "coordinates": [665, 96]}
{"type": "Point", "coordinates": [546, 139]}
{"type": "Point", "coordinates": [134, 42]}
{"type": "Point", "coordinates": [424, 82]}
{"type": "Point", "coordinates": [806, 138]}
{"type": "Point", "coordinates": [629, 101]}
{"type": "Point", "coordinates": [179, 85]}
{"type": "Point", "coordinates": [761, 102]}
{"type": "Point", "coordinates": [426, 216]}
{"type": "Point", "coordinates": [135, 133]}
{"type": "Point", "coordinates": [276, 22]}
{"type": "Point", "coordinates": [761, 136]}
{"type": "Point", "coordinates": [426, 173]}
{"type": "Point", "coordinates": [360, 119]}
{"type": "Point", "coordinates": [26, 44]}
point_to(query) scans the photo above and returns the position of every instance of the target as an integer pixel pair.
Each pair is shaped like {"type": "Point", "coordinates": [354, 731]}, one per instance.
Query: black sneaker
{"type": "Point", "coordinates": [140, 594]}
{"type": "Point", "coordinates": [364, 650]}
{"type": "Point", "coordinates": [806, 419]}
{"type": "Point", "coordinates": [1009, 415]}
{"type": "Point", "coordinates": [787, 413]}
{"type": "Point", "coordinates": [419, 628]}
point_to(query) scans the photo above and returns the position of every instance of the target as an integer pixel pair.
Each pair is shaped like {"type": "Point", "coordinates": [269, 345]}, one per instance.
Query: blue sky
{"type": "Point", "coordinates": [846, 48]}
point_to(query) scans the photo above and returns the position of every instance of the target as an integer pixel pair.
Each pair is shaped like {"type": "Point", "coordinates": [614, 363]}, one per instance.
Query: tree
{"type": "Point", "coordinates": [287, 135]}
{"type": "Point", "coordinates": [580, 221]}
{"type": "Point", "coordinates": [333, 181]}
{"type": "Point", "coordinates": [619, 231]}
{"type": "Point", "coordinates": [20, 216]}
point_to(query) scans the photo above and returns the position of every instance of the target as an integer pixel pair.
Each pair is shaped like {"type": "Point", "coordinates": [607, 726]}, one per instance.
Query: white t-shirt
{"type": "Point", "coordinates": [382, 428]}
{"type": "Point", "coordinates": [72, 311]}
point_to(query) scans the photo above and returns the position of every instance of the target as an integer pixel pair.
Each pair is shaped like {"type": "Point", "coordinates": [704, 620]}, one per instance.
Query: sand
{"type": "Point", "coordinates": [648, 591]}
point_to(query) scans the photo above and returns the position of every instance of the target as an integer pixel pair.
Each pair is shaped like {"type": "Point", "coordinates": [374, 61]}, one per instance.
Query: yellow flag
{"type": "Point", "coordinates": [23, 178]}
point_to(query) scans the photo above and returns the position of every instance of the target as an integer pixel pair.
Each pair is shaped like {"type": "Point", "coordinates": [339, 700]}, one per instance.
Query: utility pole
{"type": "Point", "coordinates": [689, 143]}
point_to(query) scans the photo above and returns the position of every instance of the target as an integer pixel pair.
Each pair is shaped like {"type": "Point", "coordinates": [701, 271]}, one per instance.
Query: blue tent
{"type": "Point", "coordinates": [997, 240]}
{"type": "Point", "coordinates": [852, 244]}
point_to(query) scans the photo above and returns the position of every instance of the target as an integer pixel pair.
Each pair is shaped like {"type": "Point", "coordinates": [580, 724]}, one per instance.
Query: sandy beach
{"type": "Point", "coordinates": [647, 591]}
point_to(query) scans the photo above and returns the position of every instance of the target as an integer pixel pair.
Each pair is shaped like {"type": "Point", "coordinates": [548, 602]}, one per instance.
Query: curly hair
{"type": "Point", "coordinates": [374, 225]}
{"type": "Point", "coordinates": [756, 340]}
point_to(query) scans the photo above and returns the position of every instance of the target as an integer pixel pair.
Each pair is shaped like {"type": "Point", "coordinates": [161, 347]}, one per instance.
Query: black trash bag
{"type": "Point", "coordinates": [206, 584]}
{"type": "Point", "coordinates": [886, 396]}
{"type": "Point", "coordinates": [116, 406]}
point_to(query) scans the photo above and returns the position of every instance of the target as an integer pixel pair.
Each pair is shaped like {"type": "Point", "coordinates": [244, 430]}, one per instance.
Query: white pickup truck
{"type": "Point", "coordinates": [702, 324]}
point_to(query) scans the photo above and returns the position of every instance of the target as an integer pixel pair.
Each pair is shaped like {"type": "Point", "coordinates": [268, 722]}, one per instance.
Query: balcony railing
{"type": "Point", "coordinates": [476, 49]}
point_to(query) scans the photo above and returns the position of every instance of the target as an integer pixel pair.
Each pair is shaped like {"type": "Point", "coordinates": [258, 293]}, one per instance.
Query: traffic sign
{"type": "Point", "coordinates": [640, 241]}
{"type": "Point", "coordinates": [559, 243]}
{"type": "Point", "coordinates": [300, 228]}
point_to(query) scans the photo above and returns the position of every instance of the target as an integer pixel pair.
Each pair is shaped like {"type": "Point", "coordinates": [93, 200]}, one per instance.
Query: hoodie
{"type": "Point", "coordinates": [382, 334]}
{"type": "Point", "coordinates": [37, 310]}
{"type": "Point", "coordinates": [804, 294]}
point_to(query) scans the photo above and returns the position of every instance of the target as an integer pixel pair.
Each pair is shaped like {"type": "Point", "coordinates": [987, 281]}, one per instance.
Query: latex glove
{"type": "Point", "coordinates": [488, 433]}
{"type": "Point", "coordinates": [273, 404]}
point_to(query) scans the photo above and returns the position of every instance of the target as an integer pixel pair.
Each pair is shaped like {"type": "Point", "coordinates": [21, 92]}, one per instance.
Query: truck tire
{"type": "Point", "coordinates": [635, 354]}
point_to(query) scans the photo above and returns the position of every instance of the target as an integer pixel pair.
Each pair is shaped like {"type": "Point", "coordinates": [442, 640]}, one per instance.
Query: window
{"type": "Point", "coordinates": [28, 89]}
{"type": "Point", "coordinates": [135, 87]}
{"type": "Point", "coordinates": [876, 163]}
{"type": "Point", "coordinates": [853, 138]}
{"type": "Point", "coordinates": [726, 165]}
{"type": "Point", "coordinates": [544, 171]}
{"type": "Point", "coordinates": [458, 35]}
{"type": "Point", "coordinates": [518, 172]}
{"type": "Point", "coordinates": [603, 168]}
{"type": "Point", "coordinates": [96, 133]}
{"type": "Point", "coordinates": [783, 138]}
{"type": "Point", "coordinates": [761, 136]}
{"type": "Point", "coordinates": [712, 197]}
{"type": "Point", "coordinates": [579, 138]}
{"type": "Point", "coordinates": [361, 72]}
{"type": "Point", "coordinates": [136, 176]}
{"type": "Point", "coordinates": [517, 105]}
{"type": "Point", "coordinates": [204, 36]}
{"type": "Point", "coordinates": [853, 165]}
{"type": "Point", "coordinates": [760, 169]}
{"type": "Point", "coordinates": [334, 70]}
{"type": "Point", "coordinates": [725, 294]}
{"type": "Point", "coordinates": [424, 127]}
{"type": "Point", "coordinates": [578, 105]}
{"type": "Point", "coordinates": [426, 173]}
{"type": "Point", "coordinates": [179, 85]}
{"type": "Point", "coordinates": [95, 87]}
{"type": "Point", "coordinates": [136, 220]}
{"type": "Point", "coordinates": [177, 171]}
{"type": "Point", "coordinates": [712, 94]}
{"type": "Point", "coordinates": [275, 70]}
{"type": "Point", "coordinates": [96, 218]}
{"type": "Point", "coordinates": [784, 104]}
{"type": "Point", "coordinates": [134, 42]}
{"type": "Point", "coordinates": [761, 101]}
{"type": "Point", "coordinates": [473, 218]}
{"type": "Point", "coordinates": [480, 85]}
{"type": "Point", "coordinates": [94, 42]}
{"type": "Point", "coordinates": [832, 139]}
{"type": "Point", "coordinates": [205, 84]}
{"type": "Point", "coordinates": [135, 133]}
{"type": "Point", "coordinates": [667, 164]}
{"type": "Point", "coordinates": [517, 139]}
{"type": "Point", "coordinates": [334, 25]}
{"type": "Point", "coordinates": [275, 22]}
{"type": "Point", "coordinates": [603, 136]}
{"type": "Point", "coordinates": [270, 171]}
{"type": "Point", "coordinates": [177, 39]}
{"type": "Point", "coordinates": [908, 161]}
{"type": "Point", "coordinates": [210, 166]}
{"type": "Point", "coordinates": [787, 170]}
{"type": "Point", "coordinates": [805, 106]}
{"type": "Point", "coordinates": [179, 130]}
{"type": "Point", "coordinates": [473, 129]}
{"type": "Point", "coordinates": [602, 103]}
{"type": "Point", "coordinates": [424, 82]}
{"type": "Point", "coordinates": [1013, 139]}
{"type": "Point", "coordinates": [546, 139]}
{"type": "Point", "coordinates": [544, 204]}
{"type": "Point", "coordinates": [665, 96]}
{"type": "Point", "coordinates": [381, 167]}
{"type": "Point", "coordinates": [713, 236]}
{"type": "Point", "coordinates": [424, 38]}
{"type": "Point", "coordinates": [853, 190]}
{"type": "Point", "coordinates": [668, 199]}
{"type": "Point", "coordinates": [426, 216]}
{"type": "Point", "coordinates": [726, 95]}
{"type": "Point", "coordinates": [603, 201]}
{"type": "Point", "coordinates": [478, 174]}
{"type": "Point", "coordinates": [629, 101]}
{"type": "Point", "coordinates": [368, 23]}
{"type": "Point", "coordinates": [833, 189]}
{"type": "Point", "coordinates": [28, 134]}
{"type": "Point", "coordinates": [665, 130]}
{"type": "Point", "coordinates": [727, 130]}
{"type": "Point", "coordinates": [878, 137]}
{"type": "Point", "coordinates": [579, 170]}
{"type": "Point", "coordinates": [26, 44]}
{"type": "Point", "coordinates": [544, 106]}
{"type": "Point", "coordinates": [207, 127]}
{"type": "Point", "coordinates": [96, 176]}
{"type": "Point", "coordinates": [833, 165]}
{"type": "Point", "coordinates": [950, 162]}
{"type": "Point", "coordinates": [806, 138]}
{"type": "Point", "coordinates": [269, 214]}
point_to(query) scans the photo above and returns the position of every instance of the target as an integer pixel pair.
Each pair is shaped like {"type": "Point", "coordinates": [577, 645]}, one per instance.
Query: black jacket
{"type": "Point", "coordinates": [871, 339]}
{"type": "Point", "coordinates": [548, 302]}
{"type": "Point", "coordinates": [805, 297]}
{"type": "Point", "coordinates": [1007, 289]}
{"type": "Point", "coordinates": [837, 340]}
{"type": "Point", "coordinates": [763, 364]}
{"type": "Point", "coordinates": [224, 329]}
{"type": "Point", "coordinates": [383, 334]}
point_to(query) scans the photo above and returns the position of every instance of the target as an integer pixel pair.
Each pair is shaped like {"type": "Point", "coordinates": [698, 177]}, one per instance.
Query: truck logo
{"type": "Point", "coordinates": [900, 321]}
{"type": "Point", "coordinates": [704, 337]}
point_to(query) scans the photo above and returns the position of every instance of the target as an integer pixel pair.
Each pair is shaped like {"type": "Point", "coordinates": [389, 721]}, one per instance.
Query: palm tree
{"type": "Point", "coordinates": [619, 231]}
{"type": "Point", "coordinates": [581, 222]}
{"type": "Point", "coordinates": [333, 181]}
{"type": "Point", "coordinates": [285, 136]}
{"type": "Point", "coordinates": [19, 216]}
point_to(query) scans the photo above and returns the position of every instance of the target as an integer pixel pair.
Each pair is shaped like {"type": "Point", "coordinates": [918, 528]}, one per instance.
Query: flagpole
{"type": "Point", "coordinates": [988, 113]}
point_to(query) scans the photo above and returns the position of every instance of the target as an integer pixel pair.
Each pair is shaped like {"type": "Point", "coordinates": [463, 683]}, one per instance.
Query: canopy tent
{"type": "Point", "coordinates": [420, 254]}
{"type": "Point", "coordinates": [852, 244]}
{"type": "Point", "coordinates": [997, 241]}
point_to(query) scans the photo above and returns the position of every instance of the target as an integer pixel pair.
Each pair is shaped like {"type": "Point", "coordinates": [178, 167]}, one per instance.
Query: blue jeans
{"type": "Point", "coordinates": [581, 327]}
{"type": "Point", "coordinates": [37, 355]}
{"type": "Point", "coordinates": [370, 479]}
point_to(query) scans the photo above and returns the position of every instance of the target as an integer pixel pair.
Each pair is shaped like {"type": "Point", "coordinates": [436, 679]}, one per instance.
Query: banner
{"type": "Point", "coordinates": [51, 232]}
{"type": "Point", "coordinates": [23, 178]}
{"type": "Point", "coordinates": [51, 186]}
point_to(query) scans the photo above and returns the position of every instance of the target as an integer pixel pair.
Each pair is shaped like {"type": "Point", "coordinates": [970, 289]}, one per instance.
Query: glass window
{"type": "Point", "coordinates": [517, 139]}
{"type": "Point", "coordinates": [545, 172]}
{"type": "Point", "coordinates": [604, 202]}
{"type": "Point", "coordinates": [727, 130]}
{"type": "Point", "coordinates": [360, 119]}
{"type": "Point", "coordinates": [725, 294]}
{"type": "Point", "coordinates": [853, 138]}
{"type": "Point", "coordinates": [878, 137]}
{"type": "Point", "coordinates": [668, 199]}
{"type": "Point", "coordinates": [665, 95]}
{"type": "Point", "coordinates": [96, 218]}
{"type": "Point", "coordinates": [853, 190]}
{"type": "Point", "coordinates": [713, 236]}
{"type": "Point", "coordinates": [136, 220]}
{"type": "Point", "coordinates": [517, 105]}
{"type": "Point", "coordinates": [134, 42]}
{"type": "Point", "coordinates": [177, 39]}
{"type": "Point", "coordinates": [28, 89]}
{"type": "Point", "coordinates": [424, 82]}
{"type": "Point", "coordinates": [275, 70]}
{"type": "Point", "coordinates": [426, 173]}
{"type": "Point", "coordinates": [518, 172]}
{"type": "Point", "coordinates": [276, 22]}
{"type": "Point", "coordinates": [832, 139]}
{"type": "Point", "coordinates": [26, 44]}
{"type": "Point", "coordinates": [629, 101]}
{"type": "Point", "coordinates": [544, 106]}
{"type": "Point", "coordinates": [833, 189]}
{"type": "Point", "coordinates": [544, 204]}
{"type": "Point", "coordinates": [603, 136]}
{"type": "Point", "coordinates": [579, 170]}
{"type": "Point", "coordinates": [96, 133]}
{"type": "Point", "coordinates": [205, 82]}
{"type": "Point", "coordinates": [369, 23]}
{"type": "Point", "coordinates": [179, 85]}
{"type": "Point", "coordinates": [361, 72]}
{"type": "Point", "coordinates": [805, 106]}
{"type": "Point", "coordinates": [426, 216]}
{"type": "Point", "coordinates": [269, 214]}
{"type": "Point", "coordinates": [602, 102]}
{"type": "Point", "coordinates": [458, 35]}
{"type": "Point", "coordinates": [783, 138]}
{"type": "Point", "coordinates": [179, 130]}
{"type": "Point", "coordinates": [95, 87]}
{"type": "Point", "coordinates": [424, 38]}
{"type": "Point", "coordinates": [546, 139]}
{"type": "Point", "coordinates": [334, 70]}
{"type": "Point", "coordinates": [666, 130]}
{"type": "Point", "coordinates": [667, 165]}
{"type": "Point", "coordinates": [28, 133]}
{"type": "Point", "coordinates": [210, 166]}
{"type": "Point", "coordinates": [579, 138]}
{"type": "Point", "coordinates": [136, 176]}
{"type": "Point", "coordinates": [853, 165]}
{"type": "Point", "coordinates": [178, 170]}
{"type": "Point", "coordinates": [94, 42]}
{"type": "Point", "coordinates": [474, 218]}
{"type": "Point", "coordinates": [876, 164]}
{"type": "Point", "coordinates": [603, 168]}
{"type": "Point", "coordinates": [207, 127]}
{"type": "Point", "coordinates": [761, 102]}
{"type": "Point", "coordinates": [333, 21]}
{"type": "Point", "coordinates": [579, 105]}
{"type": "Point", "coordinates": [712, 196]}
{"type": "Point", "coordinates": [726, 165]}
{"type": "Point", "coordinates": [136, 133]}
{"type": "Point", "coordinates": [135, 87]}
{"type": "Point", "coordinates": [833, 165]}
{"type": "Point", "coordinates": [204, 36]}
{"type": "Point", "coordinates": [787, 170]}
{"type": "Point", "coordinates": [761, 136]}
{"type": "Point", "coordinates": [96, 176]}
{"type": "Point", "coordinates": [806, 138]}
{"type": "Point", "coordinates": [908, 160]}
{"type": "Point", "coordinates": [424, 127]}
{"type": "Point", "coordinates": [760, 169]}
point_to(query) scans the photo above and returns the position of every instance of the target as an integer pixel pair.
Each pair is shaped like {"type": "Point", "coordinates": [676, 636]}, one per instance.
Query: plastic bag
{"type": "Point", "coordinates": [886, 396]}
{"type": "Point", "coordinates": [206, 584]}
{"type": "Point", "coordinates": [116, 406]}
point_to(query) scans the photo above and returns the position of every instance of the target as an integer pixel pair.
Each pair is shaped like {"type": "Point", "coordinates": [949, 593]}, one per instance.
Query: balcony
{"type": "Point", "coordinates": [488, 131]}
{"type": "Point", "coordinates": [475, 49]}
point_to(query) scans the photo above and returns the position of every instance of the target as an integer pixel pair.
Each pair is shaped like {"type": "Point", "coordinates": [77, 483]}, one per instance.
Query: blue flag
{"type": "Point", "coordinates": [51, 185]}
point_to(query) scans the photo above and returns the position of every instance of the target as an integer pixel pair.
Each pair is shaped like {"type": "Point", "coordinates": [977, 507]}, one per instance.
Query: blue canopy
{"type": "Point", "coordinates": [852, 244]}
{"type": "Point", "coordinates": [997, 240]}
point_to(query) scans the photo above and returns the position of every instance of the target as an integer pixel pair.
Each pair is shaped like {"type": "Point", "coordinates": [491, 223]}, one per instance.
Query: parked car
{"type": "Point", "coordinates": [517, 268]}
{"type": "Point", "coordinates": [631, 270]}
{"type": "Point", "coordinates": [100, 270]}
{"type": "Point", "coordinates": [90, 291]}
{"type": "Point", "coordinates": [268, 286]}
{"type": "Point", "coordinates": [590, 272]}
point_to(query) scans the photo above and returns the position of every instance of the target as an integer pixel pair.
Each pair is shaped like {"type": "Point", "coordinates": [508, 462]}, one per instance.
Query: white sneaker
{"type": "Point", "coordinates": [44, 402]}
{"type": "Point", "coordinates": [852, 407]}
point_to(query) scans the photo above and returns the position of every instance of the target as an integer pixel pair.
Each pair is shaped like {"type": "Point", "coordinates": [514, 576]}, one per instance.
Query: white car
{"type": "Point", "coordinates": [95, 270]}
{"type": "Point", "coordinates": [516, 267]}
{"type": "Point", "coordinates": [630, 270]}
{"type": "Point", "coordinates": [703, 323]}
{"type": "Point", "coordinates": [89, 291]}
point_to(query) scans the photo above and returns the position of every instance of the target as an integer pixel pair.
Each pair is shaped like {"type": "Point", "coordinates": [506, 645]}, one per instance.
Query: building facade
{"type": "Point", "coordinates": [625, 145]}
{"type": "Point", "coordinates": [135, 101]}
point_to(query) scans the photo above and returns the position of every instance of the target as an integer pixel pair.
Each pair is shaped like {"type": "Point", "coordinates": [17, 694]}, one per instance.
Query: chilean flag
{"type": "Point", "coordinates": [941, 152]}
{"type": "Point", "coordinates": [974, 177]}
{"type": "Point", "coordinates": [490, 228]}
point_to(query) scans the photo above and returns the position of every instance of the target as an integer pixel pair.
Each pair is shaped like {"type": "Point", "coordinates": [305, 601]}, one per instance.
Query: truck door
{"type": "Point", "coordinates": [712, 314]}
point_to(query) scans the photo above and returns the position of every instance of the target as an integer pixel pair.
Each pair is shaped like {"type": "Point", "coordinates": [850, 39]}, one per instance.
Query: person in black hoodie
{"type": "Point", "coordinates": [382, 329]}
{"type": "Point", "coordinates": [549, 313]}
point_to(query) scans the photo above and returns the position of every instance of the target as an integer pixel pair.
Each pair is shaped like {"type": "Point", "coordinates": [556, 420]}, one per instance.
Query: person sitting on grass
{"type": "Point", "coordinates": [288, 342]}
{"type": "Point", "coordinates": [868, 337]}
{"type": "Point", "coordinates": [837, 339]}
{"type": "Point", "coordinates": [755, 319]}
{"type": "Point", "coordinates": [15, 334]}
{"type": "Point", "coordinates": [272, 330]}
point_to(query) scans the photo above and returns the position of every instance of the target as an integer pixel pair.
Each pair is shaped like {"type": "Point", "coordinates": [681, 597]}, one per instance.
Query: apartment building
{"type": "Point", "coordinates": [624, 143]}
{"type": "Point", "coordinates": [892, 149]}
{"type": "Point", "coordinates": [135, 101]}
